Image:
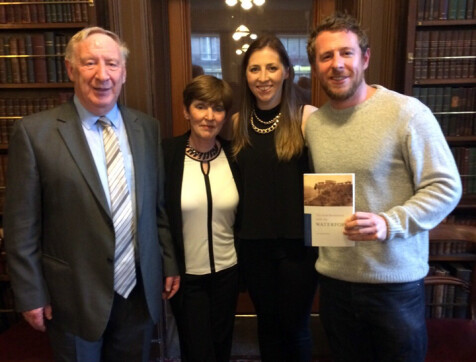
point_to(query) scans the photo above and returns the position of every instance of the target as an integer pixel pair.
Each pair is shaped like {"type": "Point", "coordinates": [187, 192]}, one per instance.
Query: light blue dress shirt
{"type": "Point", "coordinates": [93, 133]}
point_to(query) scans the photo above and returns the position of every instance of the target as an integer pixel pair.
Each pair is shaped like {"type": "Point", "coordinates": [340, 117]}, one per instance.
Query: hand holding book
{"type": "Point", "coordinates": [365, 226]}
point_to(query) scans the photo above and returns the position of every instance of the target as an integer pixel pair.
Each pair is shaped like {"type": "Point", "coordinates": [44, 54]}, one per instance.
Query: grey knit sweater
{"type": "Point", "coordinates": [404, 171]}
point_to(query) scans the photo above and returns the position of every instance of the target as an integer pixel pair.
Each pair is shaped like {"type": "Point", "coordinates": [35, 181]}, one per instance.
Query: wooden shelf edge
{"type": "Point", "coordinates": [447, 22]}
{"type": "Point", "coordinates": [41, 26]}
{"type": "Point", "coordinates": [35, 85]}
{"type": "Point", "coordinates": [439, 81]}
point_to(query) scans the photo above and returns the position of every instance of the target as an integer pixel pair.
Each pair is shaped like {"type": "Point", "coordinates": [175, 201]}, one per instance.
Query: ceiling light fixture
{"type": "Point", "coordinates": [245, 4]}
{"type": "Point", "coordinates": [240, 32]}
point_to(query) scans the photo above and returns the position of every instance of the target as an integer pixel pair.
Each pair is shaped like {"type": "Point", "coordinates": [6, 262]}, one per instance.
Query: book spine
{"type": "Point", "coordinates": [29, 60]}
{"type": "Point", "coordinates": [33, 12]}
{"type": "Point", "coordinates": [433, 53]}
{"type": "Point", "coordinates": [23, 61]}
{"type": "Point", "coordinates": [38, 46]}
{"type": "Point", "coordinates": [3, 66]}
{"type": "Point", "coordinates": [452, 9]}
{"type": "Point", "coordinates": [50, 58]}
{"type": "Point", "coordinates": [8, 62]}
{"type": "Point", "coordinates": [443, 10]}
{"type": "Point", "coordinates": [59, 59]}
{"type": "Point", "coordinates": [470, 9]}
{"type": "Point", "coordinates": [461, 10]}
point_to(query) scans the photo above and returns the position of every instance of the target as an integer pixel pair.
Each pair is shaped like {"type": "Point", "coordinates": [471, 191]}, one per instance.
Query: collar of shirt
{"type": "Point", "coordinates": [89, 120]}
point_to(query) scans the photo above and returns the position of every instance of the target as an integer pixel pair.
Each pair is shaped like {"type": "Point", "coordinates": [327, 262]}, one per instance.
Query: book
{"type": "Point", "coordinates": [25, 14]}
{"type": "Point", "coordinates": [16, 77]}
{"type": "Point", "coordinates": [433, 54]}
{"type": "Point", "coordinates": [3, 66]}
{"type": "Point", "coordinates": [470, 9]}
{"type": "Point", "coordinates": [439, 292]}
{"type": "Point", "coordinates": [33, 12]}
{"type": "Point", "coordinates": [50, 56]}
{"type": "Point", "coordinates": [38, 46]}
{"type": "Point", "coordinates": [443, 10]}
{"type": "Point", "coordinates": [3, 15]}
{"type": "Point", "coordinates": [452, 9]}
{"type": "Point", "coordinates": [461, 10]}
{"type": "Point", "coordinates": [425, 48]}
{"type": "Point", "coordinates": [29, 60]}
{"type": "Point", "coordinates": [8, 62]}
{"type": "Point", "coordinates": [461, 296]}
{"type": "Point", "coordinates": [41, 12]}
{"type": "Point", "coordinates": [22, 60]}
{"type": "Point", "coordinates": [328, 202]}
{"type": "Point", "coordinates": [59, 59]}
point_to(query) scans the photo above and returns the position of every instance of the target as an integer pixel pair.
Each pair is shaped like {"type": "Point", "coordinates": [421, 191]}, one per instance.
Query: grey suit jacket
{"type": "Point", "coordinates": [59, 233]}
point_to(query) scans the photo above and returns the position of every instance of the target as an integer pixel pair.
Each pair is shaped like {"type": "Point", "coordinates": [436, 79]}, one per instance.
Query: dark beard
{"type": "Point", "coordinates": [342, 96]}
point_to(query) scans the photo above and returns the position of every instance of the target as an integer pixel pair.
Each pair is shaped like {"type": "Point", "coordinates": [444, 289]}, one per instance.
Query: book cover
{"type": "Point", "coordinates": [328, 202]}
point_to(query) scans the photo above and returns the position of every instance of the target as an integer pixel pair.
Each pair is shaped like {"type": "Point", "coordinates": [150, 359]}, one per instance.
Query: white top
{"type": "Point", "coordinates": [195, 205]}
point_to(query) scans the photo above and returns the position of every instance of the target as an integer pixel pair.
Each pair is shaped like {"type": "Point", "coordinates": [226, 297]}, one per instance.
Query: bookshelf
{"type": "Point", "coordinates": [33, 38]}
{"type": "Point", "coordinates": [440, 70]}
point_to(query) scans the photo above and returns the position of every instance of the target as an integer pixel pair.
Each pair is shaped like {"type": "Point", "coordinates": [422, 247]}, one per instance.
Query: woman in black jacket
{"type": "Point", "coordinates": [202, 200]}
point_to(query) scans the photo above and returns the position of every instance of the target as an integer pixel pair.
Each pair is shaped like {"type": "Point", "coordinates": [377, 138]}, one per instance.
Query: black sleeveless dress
{"type": "Point", "coordinates": [272, 190]}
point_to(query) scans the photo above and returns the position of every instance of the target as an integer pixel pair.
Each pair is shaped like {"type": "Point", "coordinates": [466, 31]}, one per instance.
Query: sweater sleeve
{"type": "Point", "coordinates": [437, 184]}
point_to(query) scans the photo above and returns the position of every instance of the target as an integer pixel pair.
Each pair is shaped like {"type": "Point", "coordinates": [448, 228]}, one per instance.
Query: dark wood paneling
{"type": "Point", "coordinates": [180, 59]}
{"type": "Point", "coordinates": [142, 24]}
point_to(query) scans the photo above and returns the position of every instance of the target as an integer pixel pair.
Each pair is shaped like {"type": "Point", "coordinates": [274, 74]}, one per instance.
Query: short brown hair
{"type": "Point", "coordinates": [337, 22]}
{"type": "Point", "coordinates": [210, 89]}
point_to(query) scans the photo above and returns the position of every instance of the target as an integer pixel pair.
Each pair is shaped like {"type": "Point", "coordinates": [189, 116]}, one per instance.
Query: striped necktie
{"type": "Point", "coordinates": [121, 209]}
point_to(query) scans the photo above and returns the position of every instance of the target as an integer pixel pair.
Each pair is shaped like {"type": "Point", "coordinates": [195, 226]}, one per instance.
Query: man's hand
{"type": "Point", "coordinates": [36, 317]}
{"type": "Point", "coordinates": [365, 226]}
{"type": "Point", "coordinates": [171, 286]}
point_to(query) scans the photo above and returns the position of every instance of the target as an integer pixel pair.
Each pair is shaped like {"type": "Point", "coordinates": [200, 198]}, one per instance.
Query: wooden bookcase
{"type": "Point", "coordinates": [33, 36]}
{"type": "Point", "coordinates": [440, 70]}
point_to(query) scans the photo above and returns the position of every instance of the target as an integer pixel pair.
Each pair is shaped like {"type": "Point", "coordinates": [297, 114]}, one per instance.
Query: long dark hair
{"type": "Point", "coordinates": [288, 136]}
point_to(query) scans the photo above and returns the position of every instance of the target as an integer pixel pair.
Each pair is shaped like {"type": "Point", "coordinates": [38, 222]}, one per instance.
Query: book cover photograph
{"type": "Point", "coordinates": [328, 201]}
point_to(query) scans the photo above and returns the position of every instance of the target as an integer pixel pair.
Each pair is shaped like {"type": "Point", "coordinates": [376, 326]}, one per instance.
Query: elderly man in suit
{"type": "Point", "coordinates": [86, 234]}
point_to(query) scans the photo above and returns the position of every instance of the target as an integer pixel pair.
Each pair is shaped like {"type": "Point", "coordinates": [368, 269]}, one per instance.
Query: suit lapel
{"type": "Point", "coordinates": [135, 136]}
{"type": "Point", "coordinates": [70, 129]}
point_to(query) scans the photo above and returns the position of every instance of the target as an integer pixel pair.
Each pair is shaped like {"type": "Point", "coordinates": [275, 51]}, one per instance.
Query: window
{"type": "Point", "coordinates": [206, 55]}
{"type": "Point", "coordinates": [296, 48]}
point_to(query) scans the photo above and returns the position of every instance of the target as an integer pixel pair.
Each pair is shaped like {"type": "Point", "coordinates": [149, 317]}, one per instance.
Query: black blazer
{"type": "Point", "coordinates": [59, 233]}
{"type": "Point", "coordinates": [174, 154]}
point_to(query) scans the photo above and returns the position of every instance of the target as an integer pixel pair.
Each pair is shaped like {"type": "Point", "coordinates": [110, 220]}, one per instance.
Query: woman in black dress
{"type": "Point", "coordinates": [269, 147]}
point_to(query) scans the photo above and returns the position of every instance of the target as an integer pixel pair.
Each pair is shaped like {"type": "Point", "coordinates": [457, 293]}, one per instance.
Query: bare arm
{"type": "Point", "coordinates": [306, 112]}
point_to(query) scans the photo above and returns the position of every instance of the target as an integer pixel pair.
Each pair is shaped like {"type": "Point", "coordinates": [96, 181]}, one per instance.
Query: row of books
{"type": "Point", "coordinates": [450, 247]}
{"type": "Point", "coordinates": [3, 264]}
{"type": "Point", "coordinates": [461, 219]}
{"type": "Point", "coordinates": [446, 9]}
{"type": "Point", "coordinates": [465, 158]}
{"type": "Point", "coordinates": [46, 61]}
{"type": "Point", "coordinates": [57, 12]}
{"type": "Point", "coordinates": [3, 169]}
{"type": "Point", "coordinates": [439, 54]}
{"type": "Point", "coordinates": [454, 108]}
{"type": "Point", "coordinates": [446, 98]}
{"type": "Point", "coordinates": [20, 107]}
{"type": "Point", "coordinates": [448, 301]}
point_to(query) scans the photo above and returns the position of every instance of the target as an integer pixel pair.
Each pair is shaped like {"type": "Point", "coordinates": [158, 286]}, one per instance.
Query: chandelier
{"type": "Point", "coordinates": [242, 33]}
{"type": "Point", "coordinates": [245, 4]}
